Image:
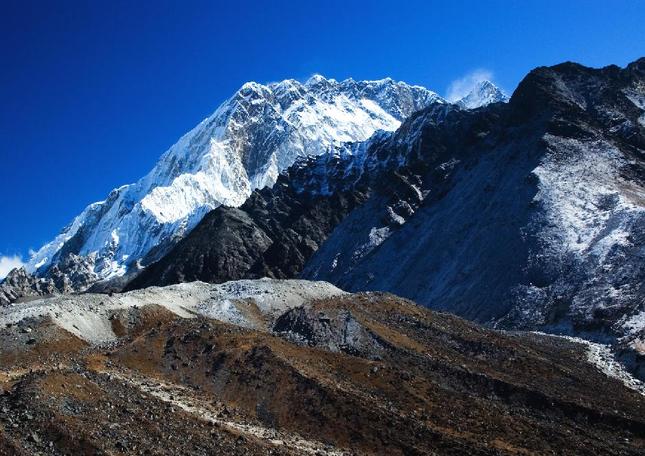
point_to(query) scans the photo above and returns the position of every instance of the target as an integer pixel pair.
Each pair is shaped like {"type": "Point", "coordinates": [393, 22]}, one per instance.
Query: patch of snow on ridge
{"type": "Point", "coordinates": [601, 356]}
{"type": "Point", "coordinates": [618, 236]}
{"type": "Point", "coordinates": [580, 190]}
{"type": "Point", "coordinates": [636, 323]}
{"type": "Point", "coordinates": [375, 238]}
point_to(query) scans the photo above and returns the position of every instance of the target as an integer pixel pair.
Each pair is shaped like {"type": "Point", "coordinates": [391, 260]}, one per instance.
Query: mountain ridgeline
{"type": "Point", "coordinates": [525, 215]}
{"type": "Point", "coordinates": [258, 132]}
{"type": "Point", "coordinates": [242, 146]}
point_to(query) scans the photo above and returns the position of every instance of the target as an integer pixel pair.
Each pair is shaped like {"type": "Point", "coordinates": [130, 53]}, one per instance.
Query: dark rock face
{"type": "Point", "coordinates": [271, 235]}
{"type": "Point", "coordinates": [524, 215]}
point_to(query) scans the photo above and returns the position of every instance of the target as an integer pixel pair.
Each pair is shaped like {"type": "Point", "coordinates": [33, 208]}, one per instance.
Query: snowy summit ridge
{"type": "Point", "coordinates": [484, 93]}
{"type": "Point", "coordinates": [243, 145]}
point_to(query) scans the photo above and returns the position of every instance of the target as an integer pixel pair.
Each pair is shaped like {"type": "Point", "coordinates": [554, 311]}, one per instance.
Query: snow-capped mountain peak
{"type": "Point", "coordinates": [254, 135]}
{"type": "Point", "coordinates": [484, 93]}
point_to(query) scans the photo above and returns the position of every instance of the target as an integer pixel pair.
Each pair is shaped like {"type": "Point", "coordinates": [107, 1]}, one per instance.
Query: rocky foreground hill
{"type": "Point", "coordinates": [295, 367]}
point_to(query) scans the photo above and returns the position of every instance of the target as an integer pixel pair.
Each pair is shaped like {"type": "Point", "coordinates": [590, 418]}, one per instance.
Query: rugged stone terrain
{"type": "Point", "coordinates": [525, 215]}
{"type": "Point", "coordinates": [71, 274]}
{"type": "Point", "coordinates": [19, 284]}
{"type": "Point", "coordinates": [284, 367]}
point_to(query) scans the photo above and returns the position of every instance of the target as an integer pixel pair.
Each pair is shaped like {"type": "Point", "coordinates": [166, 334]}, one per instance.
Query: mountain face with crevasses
{"type": "Point", "coordinates": [244, 145]}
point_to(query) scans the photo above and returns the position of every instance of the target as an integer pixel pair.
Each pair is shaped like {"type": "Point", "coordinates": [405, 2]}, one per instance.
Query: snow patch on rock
{"type": "Point", "coordinates": [601, 356]}
{"type": "Point", "coordinates": [580, 187]}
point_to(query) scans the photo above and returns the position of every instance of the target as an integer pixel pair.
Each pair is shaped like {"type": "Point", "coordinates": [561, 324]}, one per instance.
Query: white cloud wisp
{"type": "Point", "coordinates": [7, 263]}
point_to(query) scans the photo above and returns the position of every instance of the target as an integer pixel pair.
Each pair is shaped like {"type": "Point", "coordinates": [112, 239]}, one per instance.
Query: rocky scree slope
{"type": "Point", "coordinates": [242, 146]}
{"type": "Point", "coordinates": [521, 215]}
{"type": "Point", "coordinates": [294, 367]}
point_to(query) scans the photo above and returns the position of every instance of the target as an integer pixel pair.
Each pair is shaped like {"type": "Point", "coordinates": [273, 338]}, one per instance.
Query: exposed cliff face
{"type": "Point", "coordinates": [526, 215]}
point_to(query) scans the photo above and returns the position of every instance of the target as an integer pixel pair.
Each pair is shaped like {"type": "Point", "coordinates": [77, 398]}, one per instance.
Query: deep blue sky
{"type": "Point", "coordinates": [91, 93]}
